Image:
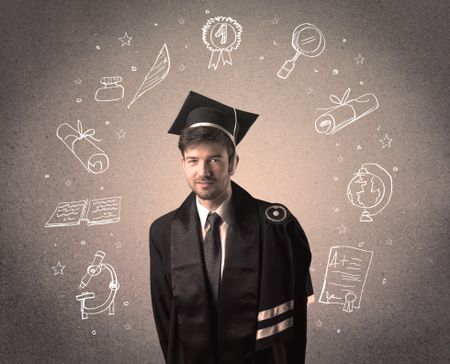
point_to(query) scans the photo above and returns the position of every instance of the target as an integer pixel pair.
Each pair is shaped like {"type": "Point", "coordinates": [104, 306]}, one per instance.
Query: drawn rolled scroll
{"type": "Point", "coordinates": [345, 112]}
{"type": "Point", "coordinates": [82, 145]}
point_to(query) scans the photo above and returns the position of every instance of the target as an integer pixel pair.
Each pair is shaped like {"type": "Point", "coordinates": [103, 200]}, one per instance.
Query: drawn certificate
{"type": "Point", "coordinates": [345, 276]}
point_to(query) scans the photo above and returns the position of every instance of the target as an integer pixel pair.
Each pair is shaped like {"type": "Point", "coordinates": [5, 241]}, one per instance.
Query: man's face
{"type": "Point", "coordinates": [206, 167]}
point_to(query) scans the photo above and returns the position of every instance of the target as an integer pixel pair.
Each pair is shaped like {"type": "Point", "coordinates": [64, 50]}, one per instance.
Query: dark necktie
{"type": "Point", "coordinates": [212, 250]}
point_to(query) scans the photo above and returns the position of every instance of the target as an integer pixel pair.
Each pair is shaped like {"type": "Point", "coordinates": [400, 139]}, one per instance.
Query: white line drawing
{"type": "Point", "coordinates": [82, 145]}
{"type": "Point", "coordinates": [111, 89]}
{"type": "Point", "coordinates": [127, 326]}
{"type": "Point", "coordinates": [359, 59]}
{"type": "Point", "coordinates": [342, 229]}
{"type": "Point", "coordinates": [275, 20]}
{"type": "Point", "coordinates": [386, 142]}
{"type": "Point", "coordinates": [345, 277]}
{"type": "Point", "coordinates": [125, 40]}
{"type": "Point", "coordinates": [345, 112]}
{"type": "Point", "coordinates": [121, 134]}
{"type": "Point", "coordinates": [370, 189]}
{"type": "Point", "coordinates": [156, 75]}
{"type": "Point", "coordinates": [97, 211]}
{"type": "Point", "coordinates": [78, 81]}
{"type": "Point", "coordinates": [93, 270]}
{"type": "Point", "coordinates": [307, 40]}
{"type": "Point", "coordinates": [58, 268]}
{"type": "Point", "coordinates": [221, 35]}
{"type": "Point", "coordinates": [340, 159]}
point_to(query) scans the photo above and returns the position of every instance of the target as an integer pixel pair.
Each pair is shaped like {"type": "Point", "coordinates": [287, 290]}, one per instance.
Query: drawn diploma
{"type": "Point", "coordinates": [345, 112]}
{"type": "Point", "coordinates": [82, 145]}
{"type": "Point", "coordinates": [345, 277]}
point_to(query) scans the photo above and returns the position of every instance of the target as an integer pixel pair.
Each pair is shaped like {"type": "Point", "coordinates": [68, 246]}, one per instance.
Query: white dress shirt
{"type": "Point", "coordinates": [224, 212]}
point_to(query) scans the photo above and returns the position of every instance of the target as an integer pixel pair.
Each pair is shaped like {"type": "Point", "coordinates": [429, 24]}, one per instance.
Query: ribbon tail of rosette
{"type": "Point", "coordinates": [215, 59]}
{"type": "Point", "coordinates": [226, 57]}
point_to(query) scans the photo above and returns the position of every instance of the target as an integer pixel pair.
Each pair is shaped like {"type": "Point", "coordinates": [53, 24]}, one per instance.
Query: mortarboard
{"type": "Point", "coordinates": [199, 110]}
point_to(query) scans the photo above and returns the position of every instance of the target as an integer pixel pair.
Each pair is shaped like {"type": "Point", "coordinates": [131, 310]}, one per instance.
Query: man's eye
{"type": "Point", "coordinates": [192, 161]}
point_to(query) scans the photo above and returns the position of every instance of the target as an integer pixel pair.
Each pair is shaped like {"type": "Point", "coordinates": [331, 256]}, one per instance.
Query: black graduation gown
{"type": "Point", "coordinates": [261, 317]}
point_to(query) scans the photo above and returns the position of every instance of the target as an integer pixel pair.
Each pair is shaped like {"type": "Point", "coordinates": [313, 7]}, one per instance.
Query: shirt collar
{"type": "Point", "coordinates": [223, 211]}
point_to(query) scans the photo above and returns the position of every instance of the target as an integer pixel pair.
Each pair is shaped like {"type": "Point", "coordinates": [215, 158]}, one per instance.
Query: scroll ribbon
{"type": "Point", "coordinates": [88, 134]}
{"type": "Point", "coordinates": [337, 101]}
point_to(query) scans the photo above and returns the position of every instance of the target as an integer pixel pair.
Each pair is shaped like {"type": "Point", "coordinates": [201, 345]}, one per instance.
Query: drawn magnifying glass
{"type": "Point", "coordinates": [307, 40]}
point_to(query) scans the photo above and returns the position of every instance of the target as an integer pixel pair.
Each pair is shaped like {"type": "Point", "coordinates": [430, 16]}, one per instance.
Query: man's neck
{"type": "Point", "coordinates": [212, 205]}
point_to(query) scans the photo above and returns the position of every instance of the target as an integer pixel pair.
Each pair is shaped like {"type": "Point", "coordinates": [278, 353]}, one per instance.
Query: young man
{"type": "Point", "coordinates": [229, 273]}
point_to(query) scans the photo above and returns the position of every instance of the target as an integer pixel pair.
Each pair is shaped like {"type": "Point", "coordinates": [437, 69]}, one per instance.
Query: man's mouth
{"type": "Point", "coordinates": [205, 183]}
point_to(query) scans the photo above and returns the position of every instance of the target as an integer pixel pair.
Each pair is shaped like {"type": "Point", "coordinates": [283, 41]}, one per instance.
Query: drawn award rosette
{"type": "Point", "coordinates": [221, 35]}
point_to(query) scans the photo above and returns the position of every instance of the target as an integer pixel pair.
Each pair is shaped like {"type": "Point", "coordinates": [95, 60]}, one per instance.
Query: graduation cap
{"type": "Point", "coordinates": [199, 110]}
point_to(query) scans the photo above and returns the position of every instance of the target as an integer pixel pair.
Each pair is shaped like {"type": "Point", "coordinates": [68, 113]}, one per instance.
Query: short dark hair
{"type": "Point", "coordinates": [191, 137]}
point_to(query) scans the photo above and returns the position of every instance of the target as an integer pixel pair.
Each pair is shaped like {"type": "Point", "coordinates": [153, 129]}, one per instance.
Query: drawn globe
{"type": "Point", "coordinates": [365, 190]}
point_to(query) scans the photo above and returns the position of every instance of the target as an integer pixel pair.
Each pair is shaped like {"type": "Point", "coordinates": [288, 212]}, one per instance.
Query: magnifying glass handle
{"type": "Point", "coordinates": [287, 67]}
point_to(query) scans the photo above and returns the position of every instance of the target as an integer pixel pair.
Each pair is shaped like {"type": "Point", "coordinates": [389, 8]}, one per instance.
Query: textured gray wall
{"type": "Point", "coordinates": [46, 45]}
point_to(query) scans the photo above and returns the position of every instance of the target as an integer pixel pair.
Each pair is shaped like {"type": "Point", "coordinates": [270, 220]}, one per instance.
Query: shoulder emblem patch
{"type": "Point", "coordinates": [276, 213]}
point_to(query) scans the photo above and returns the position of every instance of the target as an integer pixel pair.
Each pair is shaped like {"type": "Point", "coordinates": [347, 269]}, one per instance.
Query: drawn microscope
{"type": "Point", "coordinates": [94, 270]}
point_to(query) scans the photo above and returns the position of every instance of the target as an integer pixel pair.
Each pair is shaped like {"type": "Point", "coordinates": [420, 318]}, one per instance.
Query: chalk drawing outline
{"type": "Point", "coordinates": [93, 270]}
{"type": "Point", "coordinates": [97, 211]}
{"type": "Point", "coordinates": [111, 89]}
{"type": "Point", "coordinates": [156, 75]}
{"type": "Point", "coordinates": [326, 123]}
{"type": "Point", "coordinates": [58, 268]}
{"type": "Point", "coordinates": [351, 299]}
{"type": "Point", "coordinates": [386, 142]}
{"type": "Point", "coordinates": [289, 64]}
{"type": "Point", "coordinates": [97, 160]}
{"type": "Point", "coordinates": [125, 40]}
{"type": "Point", "coordinates": [382, 201]}
{"type": "Point", "coordinates": [219, 27]}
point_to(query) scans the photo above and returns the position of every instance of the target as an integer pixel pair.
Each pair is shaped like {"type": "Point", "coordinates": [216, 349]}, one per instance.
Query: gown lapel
{"type": "Point", "coordinates": [238, 307]}
{"type": "Point", "coordinates": [189, 285]}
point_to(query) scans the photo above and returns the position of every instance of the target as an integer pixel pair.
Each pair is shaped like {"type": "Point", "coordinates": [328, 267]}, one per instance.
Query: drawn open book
{"type": "Point", "coordinates": [97, 211]}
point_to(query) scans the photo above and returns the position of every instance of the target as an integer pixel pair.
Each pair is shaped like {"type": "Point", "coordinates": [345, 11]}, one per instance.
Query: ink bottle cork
{"type": "Point", "coordinates": [111, 89]}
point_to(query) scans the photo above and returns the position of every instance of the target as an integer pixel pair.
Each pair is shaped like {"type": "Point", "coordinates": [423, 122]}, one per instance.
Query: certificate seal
{"type": "Point", "coordinates": [276, 213]}
{"type": "Point", "coordinates": [221, 35]}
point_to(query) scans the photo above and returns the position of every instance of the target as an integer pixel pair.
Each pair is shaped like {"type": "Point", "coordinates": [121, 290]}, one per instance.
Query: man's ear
{"type": "Point", "coordinates": [233, 165]}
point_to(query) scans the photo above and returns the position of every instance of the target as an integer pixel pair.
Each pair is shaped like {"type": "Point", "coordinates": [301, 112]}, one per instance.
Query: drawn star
{"type": "Point", "coordinates": [275, 20]}
{"type": "Point", "coordinates": [68, 183]}
{"type": "Point", "coordinates": [126, 39]}
{"type": "Point", "coordinates": [127, 326]}
{"type": "Point", "coordinates": [181, 20]}
{"type": "Point", "coordinates": [309, 91]}
{"type": "Point", "coordinates": [319, 323]}
{"type": "Point", "coordinates": [342, 229]}
{"type": "Point", "coordinates": [386, 141]}
{"type": "Point", "coordinates": [359, 59]}
{"type": "Point", "coordinates": [121, 134]}
{"type": "Point", "coordinates": [182, 68]}
{"type": "Point", "coordinates": [389, 242]}
{"type": "Point", "coordinates": [118, 245]}
{"type": "Point", "coordinates": [340, 159]}
{"type": "Point", "coordinates": [78, 81]}
{"type": "Point", "coordinates": [58, 268]}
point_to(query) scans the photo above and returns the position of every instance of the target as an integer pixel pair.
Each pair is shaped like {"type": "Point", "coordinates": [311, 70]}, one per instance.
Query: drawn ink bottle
{"type": "Point", "coordinates": [111, 90]}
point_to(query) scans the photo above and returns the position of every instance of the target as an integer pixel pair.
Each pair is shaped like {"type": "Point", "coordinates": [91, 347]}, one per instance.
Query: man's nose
{"type": "Point", "coordinates": [204, 170]}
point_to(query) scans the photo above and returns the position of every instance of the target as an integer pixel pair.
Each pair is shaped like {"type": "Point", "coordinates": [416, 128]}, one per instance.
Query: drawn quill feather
{"type": "Point", "coordinates": [157, 73]}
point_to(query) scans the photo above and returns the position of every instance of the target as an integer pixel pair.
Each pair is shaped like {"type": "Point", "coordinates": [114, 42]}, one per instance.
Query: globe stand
{"type": "Point", "coordinates": [365, 217]}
